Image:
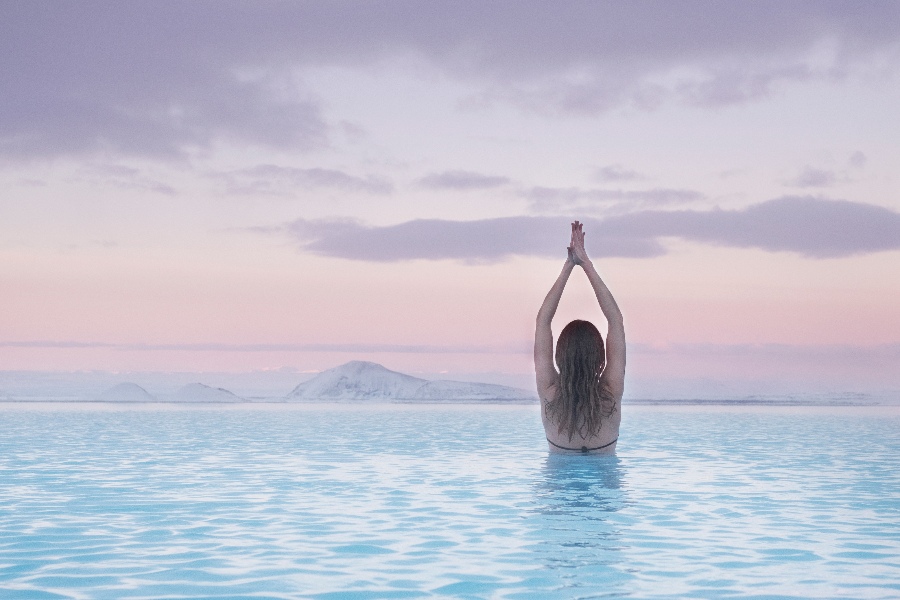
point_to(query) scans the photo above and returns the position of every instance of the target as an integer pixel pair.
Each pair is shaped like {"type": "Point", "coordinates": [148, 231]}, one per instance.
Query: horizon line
{"type": "Point", "coordinates": [513, 348]}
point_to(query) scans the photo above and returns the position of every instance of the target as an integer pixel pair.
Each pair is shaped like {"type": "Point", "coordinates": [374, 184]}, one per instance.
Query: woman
{"type": "Point", "coordinates": [581, 404]}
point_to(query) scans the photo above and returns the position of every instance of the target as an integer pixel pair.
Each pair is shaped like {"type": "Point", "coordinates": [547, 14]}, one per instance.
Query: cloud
{"type": "Point", "coordinates": [785, 353]}
{"type": "Point", "coordinates": [488, 240]}
{"type": "Point", "coordinates": [577, 200]}
{"type": "Point", "coordinates": [739, 85]}
{"type": "Point", "coordinates": [595, 58]}
{"type": "Point", "coordinates": [462, 180]}
{"type": "Point", "coordinates": [858, 160]}
{"type": "Point", "coordinates": [167, 78]}
{"type": "Point", "coordinates": [617, 173]}
{"type": "Point", "coordinates": [706, 85]}
{"type": "Point", "coordinates": [127, 178]}
{"type": "Point", "coordinates": [813, 227]}
{"type": "Point", "coordinates": [284, 181]}
{"type": "Point", "coordinates": [143, 78]}
{"type": "Point", "coordinates": [812, 177]}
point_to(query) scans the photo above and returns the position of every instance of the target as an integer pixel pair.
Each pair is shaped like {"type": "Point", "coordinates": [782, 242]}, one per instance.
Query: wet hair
{"type": "Point", "coordinates": [582, 401]}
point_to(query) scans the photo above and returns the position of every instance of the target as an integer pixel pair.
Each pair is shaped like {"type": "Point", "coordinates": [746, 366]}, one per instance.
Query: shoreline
{"type": "Point", "coordinates": [626, 403]}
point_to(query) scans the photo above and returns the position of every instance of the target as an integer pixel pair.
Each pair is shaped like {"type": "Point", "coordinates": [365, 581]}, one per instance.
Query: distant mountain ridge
{"type": "Point", "coordinates": [367, 381]}
{"type": "Point", "coordinates": [192, 392]}
{"type": "Point", "coordinates": [198, 392]}
{"type": "Point", "coordinates": [355, 381]}
{"type": "Point", "coordinates": [126, 392]}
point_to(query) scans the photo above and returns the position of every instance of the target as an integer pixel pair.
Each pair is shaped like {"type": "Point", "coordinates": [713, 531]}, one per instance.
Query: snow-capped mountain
{"type": "Point", "coordinates": [192, 392]}
{"type": "Point", "coordinates": [127, 392]}
{"type": "Point", "coordinates": [462, 390]}
{"type": "Point", "coordinates": [197, 392]}
{"type": "Point", "coordinates": [360, 380]}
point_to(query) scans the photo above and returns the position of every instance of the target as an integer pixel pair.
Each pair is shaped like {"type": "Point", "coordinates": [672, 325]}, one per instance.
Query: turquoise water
{"type": "Point", "coordinates": [396, 501]}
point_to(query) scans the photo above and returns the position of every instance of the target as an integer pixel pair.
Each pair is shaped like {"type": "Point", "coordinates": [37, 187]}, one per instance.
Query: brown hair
{"type": "Point", "coordinates": [582, 401]}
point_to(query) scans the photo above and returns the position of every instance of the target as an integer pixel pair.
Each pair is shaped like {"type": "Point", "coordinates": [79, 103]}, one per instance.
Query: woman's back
{"type": "Point", "coordinates": [580, 403]}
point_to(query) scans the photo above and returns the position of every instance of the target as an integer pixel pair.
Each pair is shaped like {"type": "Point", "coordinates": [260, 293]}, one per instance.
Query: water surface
{"type": "Point", "coordinates": [401, 501]}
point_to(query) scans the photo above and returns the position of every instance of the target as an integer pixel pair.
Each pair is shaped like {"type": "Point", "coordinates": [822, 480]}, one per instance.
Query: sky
{"type": "Point", "coordinates": [251, 186]}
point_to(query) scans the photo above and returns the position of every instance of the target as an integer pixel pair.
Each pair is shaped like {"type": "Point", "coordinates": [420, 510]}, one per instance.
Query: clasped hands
{"type": "Point", "coordinates": [577, 253]}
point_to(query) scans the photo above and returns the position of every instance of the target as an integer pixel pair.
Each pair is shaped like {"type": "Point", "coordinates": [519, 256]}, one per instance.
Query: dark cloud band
{"type": "Point", "coordinates": [462, 180]}
{"type": "Point", "coordinates": [812, 227]}
{"type": "Point", "coordinates": [162, 77]}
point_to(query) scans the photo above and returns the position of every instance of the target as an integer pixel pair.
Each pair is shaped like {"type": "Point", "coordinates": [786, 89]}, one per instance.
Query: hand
{"type": "Point", "coordinates": [577, 253]}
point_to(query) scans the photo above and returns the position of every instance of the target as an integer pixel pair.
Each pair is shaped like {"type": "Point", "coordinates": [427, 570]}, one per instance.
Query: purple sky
{"type": "Point", "coordinates": [238, 186]}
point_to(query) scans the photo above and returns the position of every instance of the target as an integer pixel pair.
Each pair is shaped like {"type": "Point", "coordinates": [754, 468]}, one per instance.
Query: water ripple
{"type": "Point", "coordinates": [444, 501]}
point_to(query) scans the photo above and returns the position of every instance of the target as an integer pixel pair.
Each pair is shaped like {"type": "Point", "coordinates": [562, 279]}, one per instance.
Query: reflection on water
{"type": "Point", "coordinates": [579, 481]}
{"type": "Point", "coordinates": [576, 529]}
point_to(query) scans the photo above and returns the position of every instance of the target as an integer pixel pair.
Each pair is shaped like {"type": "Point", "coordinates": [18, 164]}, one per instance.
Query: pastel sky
{"type": "Point", "coordinates": [239, 186]}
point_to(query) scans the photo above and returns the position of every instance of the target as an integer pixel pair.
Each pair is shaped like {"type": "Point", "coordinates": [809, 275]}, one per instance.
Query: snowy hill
{"type": "Point", "coordinates": [127, 392]}
{"type": "Point", "coordinates": [367, 381]}
{"type": "Point", "coordinates": [441, 390]}
{"type": "Point", "coordinates": [192, 392]}
{"type": "Point", "coordinates": [197, 392]}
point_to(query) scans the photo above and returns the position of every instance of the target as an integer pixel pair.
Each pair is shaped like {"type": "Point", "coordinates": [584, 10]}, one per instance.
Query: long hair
{"type": "Point", "coordinates": [581, 401]}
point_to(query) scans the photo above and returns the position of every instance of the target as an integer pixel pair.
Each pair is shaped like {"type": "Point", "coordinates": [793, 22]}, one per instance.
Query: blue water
{"type": "Point", "coordinates": [398, 501]}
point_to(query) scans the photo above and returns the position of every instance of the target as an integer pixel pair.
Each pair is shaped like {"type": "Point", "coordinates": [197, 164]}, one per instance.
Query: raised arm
{"type": "Point", "coordinates": [545, 370]}
{"type": "Point", "coordinates": [614, 373]}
